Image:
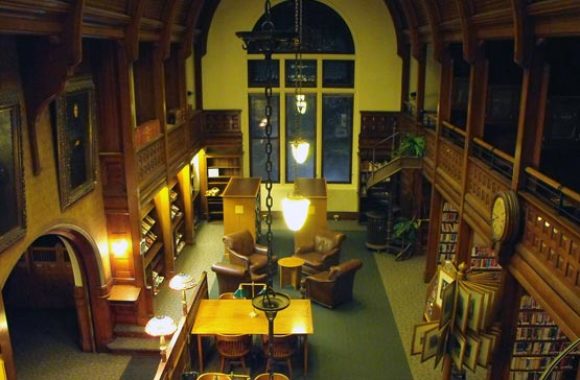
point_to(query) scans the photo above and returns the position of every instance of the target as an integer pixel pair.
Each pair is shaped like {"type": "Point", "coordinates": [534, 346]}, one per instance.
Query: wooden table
{"type": "Point", "coordinates": [233, 317]}
{"type": "Point", "coordinates": [290, 268]}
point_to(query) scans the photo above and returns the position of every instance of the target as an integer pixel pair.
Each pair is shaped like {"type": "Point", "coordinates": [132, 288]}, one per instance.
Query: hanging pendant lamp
{"type": "Point", "coordinates": [295, 210]}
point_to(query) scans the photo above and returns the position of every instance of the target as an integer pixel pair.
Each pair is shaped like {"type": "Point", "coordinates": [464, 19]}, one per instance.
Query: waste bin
{"type": "Point", "coordinates": [376, 230]}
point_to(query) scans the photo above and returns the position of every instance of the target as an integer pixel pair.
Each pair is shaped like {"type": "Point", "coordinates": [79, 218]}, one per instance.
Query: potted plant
{"type": "Point", "coordinates": [406, 231]}
{"type": "Point", "coordinates": [411, 145]}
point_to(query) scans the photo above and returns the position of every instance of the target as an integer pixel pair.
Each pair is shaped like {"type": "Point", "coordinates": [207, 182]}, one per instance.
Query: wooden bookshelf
{"type": "Point", "coordinates": [448, 233]}
{"type": "Point", "coordinates": [221, 164]}
{"type": "Point", "coordinates": [484, 258]}
{"type": "Point", "coordinates": [152, 249]}
{"type": "Point", "coordinates": [177, 219]}
{"type": "Point", "coordinates": [241, 205]}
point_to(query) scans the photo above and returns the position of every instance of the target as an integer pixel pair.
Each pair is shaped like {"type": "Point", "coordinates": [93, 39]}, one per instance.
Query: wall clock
{"type": "Point", "coordinates": [505, 217]}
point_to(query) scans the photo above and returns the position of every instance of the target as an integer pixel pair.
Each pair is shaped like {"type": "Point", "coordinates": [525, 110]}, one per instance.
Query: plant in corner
{"type": "Point", "coordinates": [406, 230]}
{"type": "Point", "coordinates": [411, 145]}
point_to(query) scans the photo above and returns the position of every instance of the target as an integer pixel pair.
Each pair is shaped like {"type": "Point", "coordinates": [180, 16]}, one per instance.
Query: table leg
{"type": "Point", "coordinates": [200, 352]}
{"type": "Point", "coordinates": [305, 354]}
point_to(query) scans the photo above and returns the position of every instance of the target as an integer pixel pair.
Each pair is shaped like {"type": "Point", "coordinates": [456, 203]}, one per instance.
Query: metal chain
{"type": "Point", "coordinates": [269, 201]}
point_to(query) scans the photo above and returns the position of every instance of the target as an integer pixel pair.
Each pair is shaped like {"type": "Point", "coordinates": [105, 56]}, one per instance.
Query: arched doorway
{"type": "Point", "coordinates": [56, 290]}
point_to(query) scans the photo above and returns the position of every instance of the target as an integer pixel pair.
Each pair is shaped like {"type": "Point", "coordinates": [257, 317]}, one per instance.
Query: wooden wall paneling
{"type": "Point", "coordinates": [523, 33]}
{"type": "Point", "coordinates": [482, 185]}
{"type": "Point", "coordinates": [83, 318]}
{"type": "Point", "coordinates": [135, 12]}
{"type": "Point", "coordinates": [532, 116]}
{"type": "Point", "coordinates": [6, 352]}
{"type": "Point", "coordinates": [47, 69]}
{"type": "Point", "coordinates": [465, 11]}
{"type": "Point", "coordinates": [450, 161]}
{"type": "Point", "coordinates": [162, 204]}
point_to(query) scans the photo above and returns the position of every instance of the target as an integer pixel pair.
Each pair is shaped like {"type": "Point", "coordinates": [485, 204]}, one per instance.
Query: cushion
{"type": "Point", "coordinates": [323, 243]}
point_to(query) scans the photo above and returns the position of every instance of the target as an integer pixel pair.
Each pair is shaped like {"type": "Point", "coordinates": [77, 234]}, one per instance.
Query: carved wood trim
{"type": "Point", "coordinates": [165, 39]}
{"type": "Point", "coordinates": [450, 160]}
{"type": "Point", "coordinates": [151, 162]}
{"type": "Point", "coordinates": [411, 16]}
{"type": "Point", "coordinates": [190, 28]}
{"type": "Point", "coordinates": [47, 70]}
{"type": "Point", "coordinates": [135, 12]}
{"type": "Point", "coordinates": [464, 8]}
{"type": "Point", "coordinates": [434, 18]}
{"type": "Point", "coordinates": [482, 185]}
{"type": "Point", "coordinates": [522, 33]}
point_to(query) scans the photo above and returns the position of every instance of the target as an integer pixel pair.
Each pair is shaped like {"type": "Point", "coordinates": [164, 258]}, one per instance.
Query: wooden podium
{"type": "Point", "coordinates": [241, 199]}
{"type": "Point", "coordinates": [315, 190]}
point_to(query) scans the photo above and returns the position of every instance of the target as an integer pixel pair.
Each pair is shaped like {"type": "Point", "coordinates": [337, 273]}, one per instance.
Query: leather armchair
{"type": "Point", "coordinates": [322, 253]}
{"type": "Point", "coordinates": [333, 287]}
{"type": "Point", "coordinates": [242, 250]}
{"type": "Point", "coordinates": [229, 276]}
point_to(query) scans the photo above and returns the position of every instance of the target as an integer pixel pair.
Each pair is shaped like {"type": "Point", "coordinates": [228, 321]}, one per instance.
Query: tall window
{"type": "Point", "coordinates": [326, 80]}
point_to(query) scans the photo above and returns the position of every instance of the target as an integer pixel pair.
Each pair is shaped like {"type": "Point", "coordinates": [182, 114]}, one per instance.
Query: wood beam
{"type": "Point", "coordinates": [170, 12]}
{"type": "Point", "coordinates": [411, 17]}
{"type": "Point", "coordinates": [523, 35]}
{"type": "Point", "coordinates": [135, 11]}
{"type": "Point", "coordinates": [397, 23]}
{"type": "Point", "coordinates": [434, 17]}
{"type": "Point", "coordinates": [191, 29]}
{"type": "Point", "coordinates": [465, 12]}
{"type": "Point", "coordinates": [48, 68]}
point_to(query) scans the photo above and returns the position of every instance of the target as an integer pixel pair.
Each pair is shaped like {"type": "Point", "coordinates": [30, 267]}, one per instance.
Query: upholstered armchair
{"type": "Point", "coordinates": [229, 276]}
{"type": "Point", "coordinates": [322, 253]}
{"type": "Point", "coordinates": [333, 287]}
{"type": "Point", "coordinates": [242, 250]}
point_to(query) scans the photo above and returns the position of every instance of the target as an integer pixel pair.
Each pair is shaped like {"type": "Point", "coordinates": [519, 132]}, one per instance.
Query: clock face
{"type": "Point", "coordinates": [498, 219]}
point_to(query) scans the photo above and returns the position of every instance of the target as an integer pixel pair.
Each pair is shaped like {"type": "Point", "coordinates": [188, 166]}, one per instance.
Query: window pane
{"type": "Point", "coordinates": [258, 136]}
{"type": "Point", "coordinates": [307, 130]}
{"type": "Point", "coordinates": [338, 74]}
{"type": "Point", "coordinates": [258, 73]}
{"type": "Point", "coordinates": [337, 137]}
{"type": "Point", "coordinates": [308, 75]}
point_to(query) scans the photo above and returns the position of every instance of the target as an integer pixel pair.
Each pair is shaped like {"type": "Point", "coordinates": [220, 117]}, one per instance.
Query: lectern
{"type": "Point", "coordinates": [241, 199]}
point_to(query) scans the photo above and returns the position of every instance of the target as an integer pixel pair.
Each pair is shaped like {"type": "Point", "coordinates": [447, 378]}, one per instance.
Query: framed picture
{"type": "Point", "coordinates": [447, 304]}
{"type": "Point", "coordinates": [462, 308]}
{"type": "Point", "coordinates": [456, 348]}
{"type": "Point", "coordinates": [12, 200]}
{"type": "Point", "coordinates": [75, 123]}
{"type": "Point", "coordinates": [444, 280]}
{"type": "Point", "coordinates": [475, 310]}
{"type": "Point", "coordinates": [419, 336]}
{"type": "Point", "coordinates": [486, 343]}
{"type": "Point", "coordinates": [432, 341]}
{"type": "Point", "coordinates": [472, 345]}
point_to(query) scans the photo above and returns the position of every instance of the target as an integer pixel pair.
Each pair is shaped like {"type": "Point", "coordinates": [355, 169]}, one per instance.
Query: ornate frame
{"type": "Point", "coordinates": [12, 199]}
{"type": "Point", "coordinates": [76, 140]}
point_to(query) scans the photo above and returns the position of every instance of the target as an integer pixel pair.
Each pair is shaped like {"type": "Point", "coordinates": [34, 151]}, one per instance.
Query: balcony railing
{"type": "Point", "coordinates": [497, 160]}
{"type": "Point", "coordinates": [453, 134]}
{"type": "Point", "coordinates": [564, 200]}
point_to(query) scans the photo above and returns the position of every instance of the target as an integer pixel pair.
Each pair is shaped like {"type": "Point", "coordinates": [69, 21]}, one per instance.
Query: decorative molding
{"type": "Point", "coordinates": [523, 35]}
{"type": "Point", "coordinates": [465, 12]}
{"type": "Point", "coordinates": [170, 11]}
{"type": "Point", "coordinates": [411, 16]}
{"type": "Point", "coordinates": [135, 12]}
{"type": "Point", "coordinates": [191, 29]}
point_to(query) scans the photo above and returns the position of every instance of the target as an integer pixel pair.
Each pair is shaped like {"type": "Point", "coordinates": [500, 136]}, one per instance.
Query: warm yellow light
{"type": "Point", "coordinates": [301, 105]}
{"type": "Point", "coordinates": [300, 150]}
{"type": "Point", "coordinates": [119, 247]}
{"type": "Point", "coordinates": [295, 211]}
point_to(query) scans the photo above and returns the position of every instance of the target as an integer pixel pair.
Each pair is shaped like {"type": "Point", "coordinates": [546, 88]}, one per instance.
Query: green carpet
{"type": "Point", "coordinates": [358, 340]}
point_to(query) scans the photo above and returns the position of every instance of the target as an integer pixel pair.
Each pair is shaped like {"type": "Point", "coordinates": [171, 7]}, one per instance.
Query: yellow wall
{"type": "Point", "coordinates": [41, 192]}
{"type": "Point", "coordinates": [377, 73]}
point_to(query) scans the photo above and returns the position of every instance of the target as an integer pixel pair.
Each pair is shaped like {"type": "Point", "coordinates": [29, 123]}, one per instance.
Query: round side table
{"type": "Point", "coordinates": [290, 269]}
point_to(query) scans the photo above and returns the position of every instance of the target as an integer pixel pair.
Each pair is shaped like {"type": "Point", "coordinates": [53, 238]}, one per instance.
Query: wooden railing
{"type": "Point", "coordinates": [453, 134]}
{"type": "Point", "coordinates": [177, 143]}
{"type": "Point", "coordinates": [497, 160]}
{"type": "Point", "coordinates": [179, 350]}
{"type": "Point", "coordinates": [450, 161]}
{"type": "Point", "coordinates": [562, 199]}
{"type": "Point", "coordinates": [151, 161]}
{"type": "Point", "coordinates": [429, 155]}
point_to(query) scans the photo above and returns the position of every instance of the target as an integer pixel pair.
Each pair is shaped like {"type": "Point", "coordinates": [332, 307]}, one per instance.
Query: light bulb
{"type": "Point", "coordinates": [301, 104]}
{"type": "Point", "coordinates": [295, 211]}
{"type": "Point", "coordinates": [300, 150]}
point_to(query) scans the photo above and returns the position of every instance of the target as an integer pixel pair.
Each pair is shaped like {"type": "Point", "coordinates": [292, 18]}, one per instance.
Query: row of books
{"type": "Point", "coordinates": [539, 333]}
{"type": "Point", "coordinates": [539, 347]}
{"type": "Point", "coordinates": [449, 227]}
{"type": "Point", "coordinates": [536, 363]}
{"type": "Point", "coordinates": [146, 224]}
{"type": "Point", "coordinates": [175, 212]}
{"type": "Point", "coordinates": [534, 317]}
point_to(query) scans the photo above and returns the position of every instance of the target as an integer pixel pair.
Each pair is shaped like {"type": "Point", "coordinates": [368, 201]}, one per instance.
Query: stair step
{"type": "Point", "coordinates": [128, 330]}
{"type": "Point", "coordinates": [129, 346]}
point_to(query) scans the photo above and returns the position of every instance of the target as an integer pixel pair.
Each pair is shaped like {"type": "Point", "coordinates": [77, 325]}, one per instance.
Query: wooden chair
{"type": "Point", "coordinates": [230, 276]}
{"type": "Point", "coordinates": [243, 250]}
{"type": "Point", "coordinates": [233, 347]}
{"type": "Point", "coordinates": [276, 376]}
{"type": "Point", "coordinates": [322, 253]}
{"type": "Point", "coordinates": [213, 376]}
{"type": "Point", "coordinates": [227, 296]}
{"type": "Point", "coordinates": [283, 347]}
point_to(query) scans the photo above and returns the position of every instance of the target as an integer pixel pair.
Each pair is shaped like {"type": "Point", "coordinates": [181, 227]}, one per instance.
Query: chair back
{"type": "Point", "coordinates": [233, 345]}
{"type": "Point", "coordinates": [325, 240]}
{"type": "Point", "coordinates": [275, 376]}
{"type": "Point", "coordinates": [343, 275]}
{"type": "Point", "coordinates": [227, 296]}
{"type": "Point", "coordinates": [213, 376]}
{"type": "Point", "coordinates": [283, 346]}
{"type": "Point", "coordinates": [241, 242]}
{"type": "Point", "coordinates": [230, 276]}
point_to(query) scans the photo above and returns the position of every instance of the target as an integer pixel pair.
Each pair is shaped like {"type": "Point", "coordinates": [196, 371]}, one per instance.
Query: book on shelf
{"type": "Point", "coordinates": [464, 328]}
{"type": "Point", "coordinates": [179, 247]}
{"type": "Point", "coordinates": [484, 258]}
{"type": "Point", "coordinates": [173, 195]}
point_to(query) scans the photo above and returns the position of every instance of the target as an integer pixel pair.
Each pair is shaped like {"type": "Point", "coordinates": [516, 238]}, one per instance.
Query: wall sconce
{"type": "Point", "coordinates": [161, 326]}
{"type": "Point", "coordinates": [119, 247]}
{"type": "Point", "coordinates": [182, 281]}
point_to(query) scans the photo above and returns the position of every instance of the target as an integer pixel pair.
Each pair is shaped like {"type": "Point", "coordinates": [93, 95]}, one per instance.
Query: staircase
{"type": "Point", "coordinates": [392, 167]}
{"type": "Point", "coordinates": [132, 339]}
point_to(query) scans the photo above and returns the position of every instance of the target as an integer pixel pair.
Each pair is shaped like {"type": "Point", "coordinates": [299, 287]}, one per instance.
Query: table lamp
{"type": "Point", "coordinates": [161, 326]}
{"type": "Point", "coordinates": [182, 281]}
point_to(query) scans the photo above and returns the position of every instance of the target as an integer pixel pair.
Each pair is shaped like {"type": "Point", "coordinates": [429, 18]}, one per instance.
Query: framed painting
{"type": "Point", "coordinates": [418, 340]}
{"type": "Point", "coordinates": [75, 124]}
{"type": "Point", "coordinates": [12, 200]}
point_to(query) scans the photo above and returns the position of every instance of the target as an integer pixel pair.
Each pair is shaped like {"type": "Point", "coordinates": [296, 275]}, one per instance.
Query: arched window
{"type": "Point", "coordinates": [327, 68]}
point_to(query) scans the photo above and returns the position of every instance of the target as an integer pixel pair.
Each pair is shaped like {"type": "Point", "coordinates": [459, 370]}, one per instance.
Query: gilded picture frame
{"type": "Point", "coordinates": [75, 125]}
{"type": "Point", "coordinates": [12, 198]}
